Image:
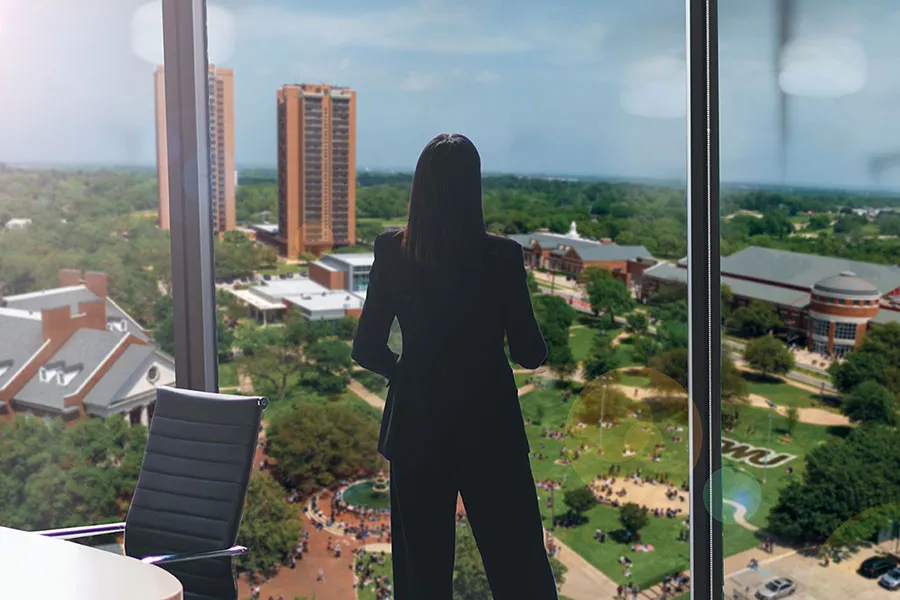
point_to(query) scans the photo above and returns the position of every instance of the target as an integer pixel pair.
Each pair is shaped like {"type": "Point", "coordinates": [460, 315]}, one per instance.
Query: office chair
{"type": "Point", "coordinates": [187, 506]}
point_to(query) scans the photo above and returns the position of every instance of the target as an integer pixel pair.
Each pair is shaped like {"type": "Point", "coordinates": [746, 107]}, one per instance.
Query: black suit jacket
{"type": "Point", "coordinates": [453, 383]}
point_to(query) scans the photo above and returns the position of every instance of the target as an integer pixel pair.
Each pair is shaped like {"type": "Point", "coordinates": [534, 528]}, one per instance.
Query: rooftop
{"type": "Point", "coordinates": [358, 259]}
{"type": "Point", "coordinates": [741, 287]}
{"type": "Point", "coordinates": [805, 270]}
{"type": "Point", "coordinates": [588, 250]}
{"type": "Point", "coordinates": [327, 300]}
{"type": "Point", "coordinates": [846, 283]}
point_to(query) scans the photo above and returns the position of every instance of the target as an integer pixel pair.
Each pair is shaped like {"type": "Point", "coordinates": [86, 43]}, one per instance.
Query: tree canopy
{"type": "Point", "coordinates": [270, 526]}
{"type": "Point", "coordinates": [769, 356]}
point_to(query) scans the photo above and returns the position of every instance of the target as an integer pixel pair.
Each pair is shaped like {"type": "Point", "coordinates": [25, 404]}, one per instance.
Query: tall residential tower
{"type": "Point", "coordinates": [316, 168]}
{"type": "Point", "coordinates": [222, 175]}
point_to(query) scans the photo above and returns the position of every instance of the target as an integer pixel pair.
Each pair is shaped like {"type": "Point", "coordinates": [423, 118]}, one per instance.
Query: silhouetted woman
{"type": "Point", "coordinates": [452, 422]}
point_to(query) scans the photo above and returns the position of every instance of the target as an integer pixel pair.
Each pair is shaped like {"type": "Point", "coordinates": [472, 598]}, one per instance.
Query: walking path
{"type": "Point", "coordinates": [740, 515]}
{"type": "Point", "coordinates": [245, 381]}
{"type": "Point", "coordinates": [370, 397]}
{"type": "Point", "coordinates": [583, 581]}
{"type": "Point", "coordinates": [813, 416]}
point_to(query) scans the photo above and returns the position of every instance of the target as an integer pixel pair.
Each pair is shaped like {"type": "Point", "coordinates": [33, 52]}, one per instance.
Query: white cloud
{"type": "Point", "coordinates": [147, 33]}
{"type": "Point", "coordinates": [487, 77]}
{"type": "Point", "coordinates": [823, 67]}
{"type": "Point", "coordinates": [655, 88]}
{"type": "Point", "coordinates": [419, 82]}
{"type": "Point", "coordinates": [425, 27]}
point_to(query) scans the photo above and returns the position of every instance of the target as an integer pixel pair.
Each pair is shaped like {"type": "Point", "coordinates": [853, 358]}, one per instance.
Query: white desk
{"type": "Point", "coordinates": [40, 568]}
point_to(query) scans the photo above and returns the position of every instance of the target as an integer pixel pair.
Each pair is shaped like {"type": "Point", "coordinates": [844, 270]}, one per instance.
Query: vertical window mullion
{"type": "Point", "coordinates": [191, 214]}
{"type": "Point", "coordinates": [704, 301]}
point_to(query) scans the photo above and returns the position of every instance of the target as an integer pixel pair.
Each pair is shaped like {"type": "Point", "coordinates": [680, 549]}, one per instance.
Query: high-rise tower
{"type": "Point", "coordinates": [222, 175]}
{"type": "Point", "coordinates": [316, 168]}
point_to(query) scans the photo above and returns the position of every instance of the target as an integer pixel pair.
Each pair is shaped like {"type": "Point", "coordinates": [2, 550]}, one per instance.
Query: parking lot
{"type": "Point", "coordinates": [814, 582]}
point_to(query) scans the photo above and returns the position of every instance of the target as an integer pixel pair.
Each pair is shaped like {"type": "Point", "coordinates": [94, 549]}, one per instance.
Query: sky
{"type": "Point", "coordinates": [569, 87]}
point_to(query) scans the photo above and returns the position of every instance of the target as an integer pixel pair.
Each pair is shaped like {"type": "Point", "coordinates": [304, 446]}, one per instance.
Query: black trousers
{"type": "Point", "coordinates": [497, 488]}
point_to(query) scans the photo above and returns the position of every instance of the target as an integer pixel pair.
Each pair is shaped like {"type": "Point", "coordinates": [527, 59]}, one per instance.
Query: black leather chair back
{"type": "Point", "coordinates": [193, 484]}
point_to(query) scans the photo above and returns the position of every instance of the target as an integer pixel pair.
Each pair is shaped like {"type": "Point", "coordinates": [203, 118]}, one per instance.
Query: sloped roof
{"type": "Point", "coordinates": [71, 296]}
{"type": "Point", "coordinates": [805, 270]}
{"type": "Point", "coordinates": [588, 250]}
{"type": "Point", "coordinates": [85, 349]}
{"type": "Point", "coordinates": [20, 338]}
{"type": "Point", "coordinates": [747, 289]}
{"type": "Point", "coordinates": [123, 375]}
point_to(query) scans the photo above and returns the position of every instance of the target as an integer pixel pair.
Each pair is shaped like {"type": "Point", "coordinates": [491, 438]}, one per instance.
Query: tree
{"type": "Point", "coordinates": [870, 402]}
{"type": "Point", "coordinates": [734, 386]}
{"type": "Point", "coordinates": [532, 282]}
{"type": "Point", "coordinates": [609, 296]}
{"type": "Point", "coordinates": [318, 445]}
{"type": "Point", "coordinates": [592, 274]}
{"type": "Point", "coordinates": [793, 417]}
{"type": "Point", "coordinates": [163, 330]}
{"type": "Point", "coordinates": [856, 368]}
{"type": "Point", "coordinates": [769, 356]}
{"type": "Point", "coordinates": [646, 347]}
{"type": "Point", "coordinates": [756, 319]}
{"type": "Point", "coordinates": [345, 328]}
{"type": "Point", "coordinates": [633, 518]}
{"type": "Point", "coordinates": [854, 479]}
{"type": "Point", "coordinates": [331, 365]}
{"type": "Point", "coordinates": [819, 222]}
{"type": "Point", "coordinates": [672, 335]}
{"type": "Point", "coordinates": [270, 359]}
{"type": "Point", "coordinates": [555, 316]}
{"type": "Point", "coordinates": [270, 527]}
{"type": "Point", "coordinates": [598, 400]}
{"type": "Point", "coordinates": [579, 500]}
{"type": "Point", "coordinates": [602, 360]}
{"type": "Point", "coordinates": [637, 322]}
{"type": "Point", "coordinates": [674, 365]}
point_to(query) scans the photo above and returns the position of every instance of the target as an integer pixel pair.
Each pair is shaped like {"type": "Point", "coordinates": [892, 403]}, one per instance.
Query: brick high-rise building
{"type": "Point", "coordinates": [222, 179]}
{"type": "Point", "coordinates": [316, 168]}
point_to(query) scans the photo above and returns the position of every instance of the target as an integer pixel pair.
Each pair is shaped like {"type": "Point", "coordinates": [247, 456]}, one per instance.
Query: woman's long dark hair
{"type": "Point", "coordinates": [446, 218]}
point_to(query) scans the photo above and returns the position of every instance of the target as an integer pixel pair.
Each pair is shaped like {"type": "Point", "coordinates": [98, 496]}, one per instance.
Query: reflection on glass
{"type": "Point", "coordinates": [579, 117]}
{"type": "Point", "coordinates": [85, 270]}
{"type": "Point", "coordinates": [809, 277]}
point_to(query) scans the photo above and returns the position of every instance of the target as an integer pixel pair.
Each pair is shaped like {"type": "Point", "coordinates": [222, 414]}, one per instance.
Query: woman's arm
{"type": "Point", "coordinates": [526, 344]}
{"type": "Point", "coordinates": [370, 347]}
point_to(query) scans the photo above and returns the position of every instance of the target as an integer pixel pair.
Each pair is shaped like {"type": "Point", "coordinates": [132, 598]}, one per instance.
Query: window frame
{"type": "Point", "coordinates": [194, 311]}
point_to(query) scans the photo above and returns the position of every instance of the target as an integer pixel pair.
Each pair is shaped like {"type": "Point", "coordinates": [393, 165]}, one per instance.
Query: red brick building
{"type": "Point", "coordinates": [72, 351]}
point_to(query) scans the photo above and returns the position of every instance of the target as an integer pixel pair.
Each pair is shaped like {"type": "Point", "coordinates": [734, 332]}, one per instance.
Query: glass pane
{"type": "Point", "coordinates": [85, 270]}
{"type": "Point", "coordinates": [579, 117]}
{"type": "Point", "coordinates": [809, 253]}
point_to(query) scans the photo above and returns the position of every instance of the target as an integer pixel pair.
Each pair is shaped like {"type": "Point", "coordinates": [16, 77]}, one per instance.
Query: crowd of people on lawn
{"type": "Point", "coordinates": [364, 573]}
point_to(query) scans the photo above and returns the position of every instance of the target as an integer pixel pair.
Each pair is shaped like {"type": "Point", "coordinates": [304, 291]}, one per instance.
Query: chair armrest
{"type": "Point", "coordinates": [74, 533]}
{"type": "Point", "coordinates": [163, 559]}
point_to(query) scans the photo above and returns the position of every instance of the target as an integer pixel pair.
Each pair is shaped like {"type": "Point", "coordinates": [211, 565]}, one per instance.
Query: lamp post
{"type": "Point", "coordinates": [772, 407]}
{"type": "Point", "coordinates": [605, 379]}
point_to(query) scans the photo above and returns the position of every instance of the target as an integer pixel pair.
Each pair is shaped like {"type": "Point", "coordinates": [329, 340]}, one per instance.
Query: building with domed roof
{"type": "Point", "coordinates": [826, 304]}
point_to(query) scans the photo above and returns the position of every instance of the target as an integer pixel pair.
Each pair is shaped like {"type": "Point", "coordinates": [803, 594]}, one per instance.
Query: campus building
{"type": "Point", "coordinates": [72, 351]}
{"type": "Point", "coordinates": [826, 304]}
{"type": "Point", "coordinates": [222, 173]}
{"type": "Point", "coordinates": [571, 254]}
{"type": "Point", "coordinates": [316, 169]}
{"type": "Point", "coordinates": [334, 288]}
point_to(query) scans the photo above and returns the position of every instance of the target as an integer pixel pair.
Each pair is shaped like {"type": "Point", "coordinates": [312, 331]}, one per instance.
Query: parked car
{"type": "Point", "coordinates": [876, 566]}
{"type": "Point", "coordinates": [773, 589]}
{"type": "Point", "coordinates": [891, 579]}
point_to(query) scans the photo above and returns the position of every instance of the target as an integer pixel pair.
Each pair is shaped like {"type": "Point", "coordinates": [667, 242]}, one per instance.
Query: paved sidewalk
{"type": "Point", "coordinates": [584, 581]}
{"type": "Point", "coordinates": [361, 391]}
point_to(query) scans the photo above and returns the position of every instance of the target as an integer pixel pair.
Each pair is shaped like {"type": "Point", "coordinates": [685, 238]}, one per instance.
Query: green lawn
{"type": "Point", "coordinates": [301, 397]}
{"type": "Point", "coordinates": [741, 482]}
{"type": "Point", "coordinates": [283, 268]}
{"type": "Point", "coordinates": [782, 393]}
{"type": "Point", "coordinates": [228, 376]}
{"type": "Point", "coordinates": [521, 378]}
{"type": "Point", "coordinates": [368, 592]}
{"type": "Point", "coordinates": [580, 340]}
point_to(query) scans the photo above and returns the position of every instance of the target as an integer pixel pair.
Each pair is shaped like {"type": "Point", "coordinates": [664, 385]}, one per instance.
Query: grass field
{"type": "Point", "coordinates": [368, 592]}
{"type": "Point", "coordinates": [228, 376]}
{"type": "Point", "coordinates": [521, 378]}
{"type": "Point", "coordinates": [581, 340]}
{"type": "Point", "coordinates": [741, 482]}
{"type": "Point", "coordinates": [784, 394]}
